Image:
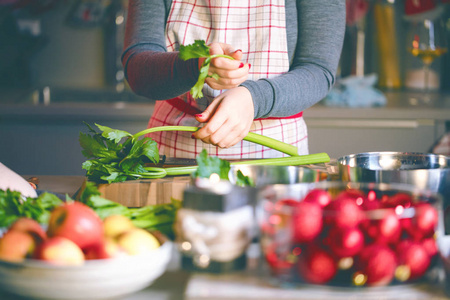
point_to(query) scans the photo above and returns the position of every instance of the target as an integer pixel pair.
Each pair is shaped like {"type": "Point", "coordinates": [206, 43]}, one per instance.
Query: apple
{"type": "Point", "coordinates": [137, 241]}
{"type": "Point", "coordinates": [16, 245]}
{"type": "Point", "coordinates": [104, 249]}
{"type": "Point", "coordinates": [31, 227]}
{"type": "Point", "coordinates": [115, 225]}
{"type": "Point", "coordinates": [76, 222]}
{"type": "Point", "coordinates": [59, 250]}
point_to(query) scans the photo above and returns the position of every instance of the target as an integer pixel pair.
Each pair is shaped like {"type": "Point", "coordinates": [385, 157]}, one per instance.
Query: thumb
{"type": "Point", "coordinates": [206, 115]}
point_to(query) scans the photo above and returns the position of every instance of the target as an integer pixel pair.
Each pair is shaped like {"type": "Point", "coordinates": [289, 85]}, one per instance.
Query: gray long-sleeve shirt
{"type": "Point", "coordinates": [315, 33]}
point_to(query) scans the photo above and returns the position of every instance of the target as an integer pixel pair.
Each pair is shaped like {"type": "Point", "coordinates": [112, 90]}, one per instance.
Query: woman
{"type": "Point", "coordinates": [286, 55]}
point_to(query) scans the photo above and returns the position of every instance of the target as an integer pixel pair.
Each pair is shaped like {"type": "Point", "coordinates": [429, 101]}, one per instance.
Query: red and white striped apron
{"type": "Point", "coordinates": [258, 28]}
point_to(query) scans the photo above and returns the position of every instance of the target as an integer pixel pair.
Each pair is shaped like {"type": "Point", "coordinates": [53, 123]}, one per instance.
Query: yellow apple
{"type": "Point", "coordinates": [137, 241]}
{"type": "Point", "coordinates": [115, 225]}
{"type": "Point", "coordinates": [16, 245]}
{"type": "Point", "coordinates": [60, 251]}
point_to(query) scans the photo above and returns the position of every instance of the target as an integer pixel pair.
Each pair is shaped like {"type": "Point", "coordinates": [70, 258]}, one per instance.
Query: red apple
{"type": "Point", "coordinates": [307, 221]}
{"type": "Point", "coordinates": [16, 245]}
{"type": "Point", "coordinates": [103, 249]}
{"type": "Point", "coordinates": [29, 226]}
{"type": "Point", "coordinates": [345, 242]}
{"type": "Point", "coordinates": [60, 251]}
{"type": "Point", "coordinates": [317, 266]}
{"type": "Point", "coordinates": [321, 197]}
{"type": "Point", "coordinates": [378, 264]}
{"type": "Point", "coordinates": [76, 222]}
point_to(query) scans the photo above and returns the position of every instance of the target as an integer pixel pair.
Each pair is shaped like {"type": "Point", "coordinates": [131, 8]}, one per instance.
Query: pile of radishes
{"type": "Point", "coordinates": [349, 237]}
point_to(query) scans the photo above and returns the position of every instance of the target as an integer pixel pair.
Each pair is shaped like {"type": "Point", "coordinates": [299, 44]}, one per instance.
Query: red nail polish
{"type": "Point", "coordinates": [241, 65]}
{"type": "Point", "coordinates": [199, 116]}
{"type": "Point", "coordinates": [192, 136]}
{"type": "Point", "coordinates": [238, 50]}
{"type": "Point", "coordinates": [249, 66]}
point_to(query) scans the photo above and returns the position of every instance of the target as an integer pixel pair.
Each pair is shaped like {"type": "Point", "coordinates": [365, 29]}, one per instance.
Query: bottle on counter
{"type": "Point", "coordinates": [388, 39]}
{"type": "Point", "coordinates": [445, 81]}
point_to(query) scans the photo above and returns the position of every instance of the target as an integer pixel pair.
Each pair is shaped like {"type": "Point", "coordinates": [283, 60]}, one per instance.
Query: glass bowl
{"type": "Point", "coordinates": [348, 234]}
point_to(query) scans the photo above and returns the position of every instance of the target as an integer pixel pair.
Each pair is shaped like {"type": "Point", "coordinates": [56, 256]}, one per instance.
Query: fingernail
{"type": "Point", "coordinates": [249, 66]}
{"type": "Point", "coordinates": [199, 116]}
{"type": "Point", "coordinates": [238, 50]}
{"type": "Point", "coordinates": [192, 136]}
{"type": "Point", "coordinates": [241, 65]}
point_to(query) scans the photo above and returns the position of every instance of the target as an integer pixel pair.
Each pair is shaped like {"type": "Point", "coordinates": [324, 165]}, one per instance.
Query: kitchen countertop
{"type": "Point", "coordinates": [253, 283]}
{"type": "Point", "coordinates": [400, 105]}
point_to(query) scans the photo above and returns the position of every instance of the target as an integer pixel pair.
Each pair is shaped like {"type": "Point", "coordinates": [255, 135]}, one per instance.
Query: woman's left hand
{"type": "Point", "coordinates": [229, 118]}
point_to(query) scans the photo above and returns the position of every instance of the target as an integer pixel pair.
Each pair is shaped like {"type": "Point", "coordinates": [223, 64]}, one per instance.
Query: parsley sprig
{"type": "Point", "coordinates": [199, 49]}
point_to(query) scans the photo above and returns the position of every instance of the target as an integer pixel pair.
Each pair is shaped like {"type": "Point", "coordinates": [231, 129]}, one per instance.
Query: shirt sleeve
{"type": "Point", "coordinates": [150, 70]}
{"type": "Point", "coordinates": [321, 27]}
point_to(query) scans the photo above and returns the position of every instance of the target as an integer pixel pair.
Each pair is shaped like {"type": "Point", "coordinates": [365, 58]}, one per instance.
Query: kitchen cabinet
{"type": "Point", "coordinates": [339, 137]}
{"type": "Point", "coordinates": [43, 139]}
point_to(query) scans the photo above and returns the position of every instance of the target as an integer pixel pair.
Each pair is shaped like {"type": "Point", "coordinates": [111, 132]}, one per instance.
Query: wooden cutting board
{"type": "Point", "coordinates": [138, 193]}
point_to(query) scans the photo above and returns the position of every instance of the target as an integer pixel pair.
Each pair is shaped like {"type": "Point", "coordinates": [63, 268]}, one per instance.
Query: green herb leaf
{"type": "Point", "coordinates": [197, 50]}
{"type": "Point", "coordinates": [115, 156]}
{"type": "Point", "coordinates": [208, 165]}
{"type": "Point", "coordinates": [242, 180]}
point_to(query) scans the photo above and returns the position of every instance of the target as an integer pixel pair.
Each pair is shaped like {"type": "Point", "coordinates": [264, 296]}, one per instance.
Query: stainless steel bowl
{"type": "Point", "coordinates": [262, 175]}
{"type": "Point", "coordinates": [422, 170]}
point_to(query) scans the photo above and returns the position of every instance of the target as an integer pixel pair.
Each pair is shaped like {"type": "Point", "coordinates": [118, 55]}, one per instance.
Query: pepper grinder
{"type": "Point", "coordinates": [215, 226]}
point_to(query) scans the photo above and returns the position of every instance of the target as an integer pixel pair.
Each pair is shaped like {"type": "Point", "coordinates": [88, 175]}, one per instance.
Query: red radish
{"type": "Point", "coordinates": [409, 227]}
{"type": "Point", "coordinates": [317, 266]}
{"type": "Point", "coordinates": [276, 263]}
{"type": "Point", "coordinates": [346, 242]}
{"type": "Point", "coordinates": [343, 212]}
{"type": "Point", "coordinates": [430, 245]}
{"type": "Point", "coordinates": [307, 221]}
{"type": "Point", "coordinates": [413, 255]}
{"type": "Point", "coordinates": [321, 197]}
{"type": "Point", "coordinates": [286, 202]}
{"type": "Point", "coordinates": [356, 195]}
{"type": "Point", "coordinates": [370, 202]}
{"type": "Point", "coordinates": [388, 229]}
{"type": "Point", "coordinates": [425, 218]}
{"type": "Point", "coordinates": [402, 199]}
{"type": "Point", "coordinates": [378, 263]}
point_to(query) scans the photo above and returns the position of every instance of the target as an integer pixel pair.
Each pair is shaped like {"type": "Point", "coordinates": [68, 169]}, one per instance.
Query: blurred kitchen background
{"type": "Point", "coordinates": [60, 66]}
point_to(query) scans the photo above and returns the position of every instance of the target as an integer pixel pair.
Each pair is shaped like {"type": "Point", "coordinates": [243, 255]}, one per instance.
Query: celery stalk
{"type": "Point", "coordinates": [251, 137]}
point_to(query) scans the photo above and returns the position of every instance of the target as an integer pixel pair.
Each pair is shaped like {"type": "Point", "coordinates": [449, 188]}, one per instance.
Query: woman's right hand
{"type": "Point", "coordinates": [231, 72]}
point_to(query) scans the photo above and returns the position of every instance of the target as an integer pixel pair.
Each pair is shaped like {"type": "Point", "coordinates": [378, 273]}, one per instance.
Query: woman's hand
{"type": "Point", "coordinates": [229, 118]}
{"type": "Point", "coordinates": [231, 72]}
